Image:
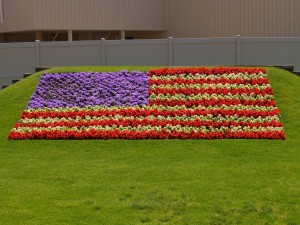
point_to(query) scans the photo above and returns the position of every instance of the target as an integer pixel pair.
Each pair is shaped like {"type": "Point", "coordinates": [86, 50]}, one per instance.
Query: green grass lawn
{"type": "Point", "coordinates": [153, 181]}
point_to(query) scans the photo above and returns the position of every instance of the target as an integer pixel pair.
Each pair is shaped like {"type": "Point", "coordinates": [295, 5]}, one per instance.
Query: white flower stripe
{"type": "Point", "coordinates": [232, 76]}
{"type": "Point", "coordinates": [184, 118]}
{"type": "Point", "coordinates": [158, 107]}
{"type": "Point", "coordinates": [228, 97]}
{"type": "Point", "coordinates": [214, 86]}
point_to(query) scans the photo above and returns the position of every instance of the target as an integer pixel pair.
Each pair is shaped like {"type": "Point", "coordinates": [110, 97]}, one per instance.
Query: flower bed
{"type": "Point", "coordinates": [181, 103]}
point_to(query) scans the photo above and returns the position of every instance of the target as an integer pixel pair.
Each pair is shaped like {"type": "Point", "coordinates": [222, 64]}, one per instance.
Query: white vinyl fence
{"type": "Point", "coordinates": [19, 58]}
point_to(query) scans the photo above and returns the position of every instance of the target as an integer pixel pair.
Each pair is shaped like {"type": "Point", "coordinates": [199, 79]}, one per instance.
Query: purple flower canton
{"type": "Point", "coordinates": [87, 88]}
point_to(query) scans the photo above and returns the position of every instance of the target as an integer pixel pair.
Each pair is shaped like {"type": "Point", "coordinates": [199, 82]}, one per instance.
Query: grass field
{"type": "Point", "coordinates": [152, 181]}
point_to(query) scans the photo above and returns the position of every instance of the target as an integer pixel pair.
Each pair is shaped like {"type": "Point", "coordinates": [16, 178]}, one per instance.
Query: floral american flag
{"type": "Point", "coordinates": [178, 103]}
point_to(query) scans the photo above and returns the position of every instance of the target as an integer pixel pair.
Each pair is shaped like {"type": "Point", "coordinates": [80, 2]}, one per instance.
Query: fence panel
{"type": "Point", "coordinates": [16, 59]}
{"type": "Point", "coordinates": [199, 52]}
{"type": "Point", "coordinates": [137, 52]}
{"type": "Point", "coordinates": [81, 53]}
{"type": "Point", "coordinates": [271, 51]}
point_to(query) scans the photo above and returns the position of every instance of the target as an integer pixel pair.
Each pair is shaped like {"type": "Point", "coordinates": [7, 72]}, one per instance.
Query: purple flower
{"type": "Point", "coordinates": [87, 88]}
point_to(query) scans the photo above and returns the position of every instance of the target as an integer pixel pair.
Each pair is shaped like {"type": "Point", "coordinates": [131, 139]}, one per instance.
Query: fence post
{"type": "Point", "coordinates": [103, 56]}
{"type": "Point", "coordinates": [170, 51]}
{"type": "Point", "coordinates": [238, 50]}
{"type": "Point", "coordinates": [37, 53]}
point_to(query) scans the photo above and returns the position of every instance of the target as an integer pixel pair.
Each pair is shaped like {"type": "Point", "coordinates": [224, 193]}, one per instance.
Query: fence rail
{"type": "Point", "coordinates": [19, 58]}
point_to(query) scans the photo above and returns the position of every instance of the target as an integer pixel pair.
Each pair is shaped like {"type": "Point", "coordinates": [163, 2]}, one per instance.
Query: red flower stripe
{"type": "Point", "coordinates": [206, 71]}
{"type": "Point", "coordinates": [147, 112]}
{"type": "Point", "coordinates": [259, 81]}
{"type": "Point", "coordinates": [164, 134]}
{"type": "Point", "coordinates": [218, 91]}
{"type": "Point", "coordinates": [211, 102]}
{"type": "Point", "coordinates": [146, 122]}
